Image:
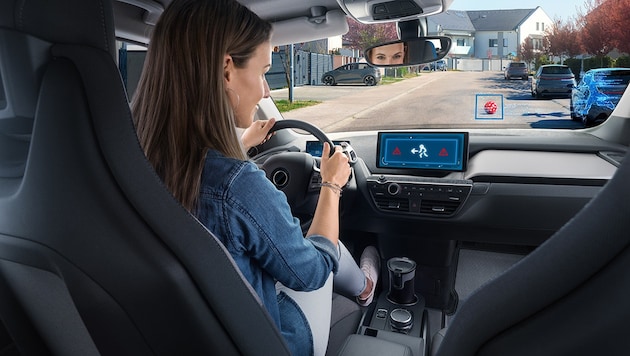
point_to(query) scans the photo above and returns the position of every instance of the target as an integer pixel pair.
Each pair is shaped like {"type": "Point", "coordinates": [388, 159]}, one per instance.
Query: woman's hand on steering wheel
{"type": "Point", "coordinates": [334, 168]}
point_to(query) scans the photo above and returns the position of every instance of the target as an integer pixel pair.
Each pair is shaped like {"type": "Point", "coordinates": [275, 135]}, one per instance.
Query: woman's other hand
{"type": "Point", "coordinates": [257, 133]}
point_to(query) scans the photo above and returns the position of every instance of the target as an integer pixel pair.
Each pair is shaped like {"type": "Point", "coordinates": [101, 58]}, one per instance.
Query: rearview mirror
{"type": "Point", "coordinates": [409, 52]}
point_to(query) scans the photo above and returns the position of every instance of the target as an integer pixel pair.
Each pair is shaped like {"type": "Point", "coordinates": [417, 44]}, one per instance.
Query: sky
{"type": "Point", "coordinates": [562, 9]}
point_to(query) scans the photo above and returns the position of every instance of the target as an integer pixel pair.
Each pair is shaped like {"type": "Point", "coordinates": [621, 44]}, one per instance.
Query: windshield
{"type": "Point", "coordinates": [508, 67]}
{"type": "Point", "coordinates": [470, 88]}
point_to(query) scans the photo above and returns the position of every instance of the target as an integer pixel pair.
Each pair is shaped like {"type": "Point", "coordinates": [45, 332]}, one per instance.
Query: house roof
{"type": "Point", "coordinates": [455, 20]}
{"type": "Point", "coordinates": [482, 20]}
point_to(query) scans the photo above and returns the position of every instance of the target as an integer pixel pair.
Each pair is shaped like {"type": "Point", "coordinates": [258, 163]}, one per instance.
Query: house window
{"type": "Point", "coordinates": [493, 43]}
{"type": "Point", "coordinates": [505, 42]}
{"type": "Point", "coordinates": [537, 44]}
{"type": "Point", "coordinates": [461, 42]}
{"type": "Point", "coordinates": [537, 26]}
{"type": "Point", "coordinates": [542, 26]}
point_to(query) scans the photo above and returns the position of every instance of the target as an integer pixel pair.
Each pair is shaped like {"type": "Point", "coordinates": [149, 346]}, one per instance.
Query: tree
{"type": "Point", "coordinates": [361, 36]}
{"type": "Point", "coordinates": [563, 38]}
{"type": "Point", "coordinates": [617, 13]}
{"type": "Point", "coordinates": [526, 51]}
{"type": "Point", "coordinates": [595, 35]}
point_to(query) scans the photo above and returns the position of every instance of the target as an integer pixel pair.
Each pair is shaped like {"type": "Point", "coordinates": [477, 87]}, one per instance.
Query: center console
{"type": "Point", "coordinates": [397, 321]}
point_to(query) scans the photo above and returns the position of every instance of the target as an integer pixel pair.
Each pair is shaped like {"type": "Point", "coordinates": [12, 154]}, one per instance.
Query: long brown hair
{"type": "Point", "coordinates": [181, 107]}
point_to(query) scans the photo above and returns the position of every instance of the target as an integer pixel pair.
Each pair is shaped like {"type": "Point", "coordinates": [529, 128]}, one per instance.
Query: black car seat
{"type": "Point", "coordinates": [96, 257]}
{"type": "Point", "coordinates": [568, 297]}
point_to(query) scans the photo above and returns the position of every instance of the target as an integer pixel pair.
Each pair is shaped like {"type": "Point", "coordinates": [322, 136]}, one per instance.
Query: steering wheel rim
{"type": "Point", "coordinates": [303, 125]}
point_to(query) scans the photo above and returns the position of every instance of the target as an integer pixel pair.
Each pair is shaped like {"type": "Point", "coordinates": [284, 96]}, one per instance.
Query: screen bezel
{"type": "Point", "coordinates": [459, 135]}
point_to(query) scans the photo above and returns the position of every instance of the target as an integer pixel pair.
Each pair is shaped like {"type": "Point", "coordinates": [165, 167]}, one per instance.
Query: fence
{"type": "Point", "coordinates": [477, 64]}
{"type": "Point", "coordinates": [308, 68]}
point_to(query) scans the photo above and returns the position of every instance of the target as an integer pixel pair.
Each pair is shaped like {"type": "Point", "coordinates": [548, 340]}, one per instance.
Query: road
{"type": "Point", "coordinates": [432, 100]}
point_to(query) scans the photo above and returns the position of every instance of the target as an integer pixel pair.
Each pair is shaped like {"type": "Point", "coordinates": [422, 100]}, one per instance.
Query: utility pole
{"type": "Point", "coordinates": [291, 73]}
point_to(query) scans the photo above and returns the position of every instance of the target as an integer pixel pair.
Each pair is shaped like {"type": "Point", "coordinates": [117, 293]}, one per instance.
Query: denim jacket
{"type": "Point", "coordinates": [253, 220]}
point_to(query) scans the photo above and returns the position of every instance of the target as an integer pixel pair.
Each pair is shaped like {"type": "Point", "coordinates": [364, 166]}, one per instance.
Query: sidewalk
{"type": "Point", "coordinates": [341, 104]}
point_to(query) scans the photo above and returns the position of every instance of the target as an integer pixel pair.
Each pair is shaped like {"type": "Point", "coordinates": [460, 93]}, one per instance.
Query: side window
{"type": "Point", "coordinates": [130, 64]}
{"type": "Point", "coordinates": [353, 66]}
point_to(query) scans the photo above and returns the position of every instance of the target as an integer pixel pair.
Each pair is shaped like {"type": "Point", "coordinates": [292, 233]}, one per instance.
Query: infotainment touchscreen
{"type": "Point", "coordinates": [443, 151]}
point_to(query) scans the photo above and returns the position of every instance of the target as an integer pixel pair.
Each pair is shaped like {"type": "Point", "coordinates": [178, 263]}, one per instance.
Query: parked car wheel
{"type": "Point", "coordinates": [369, 80]}
{"type": "Point", "coordinates": [329, 80]}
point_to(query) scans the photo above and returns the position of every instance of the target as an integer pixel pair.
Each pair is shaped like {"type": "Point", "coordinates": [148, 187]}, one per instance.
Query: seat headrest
{"type": "Point", "coordinates": [77, 22]}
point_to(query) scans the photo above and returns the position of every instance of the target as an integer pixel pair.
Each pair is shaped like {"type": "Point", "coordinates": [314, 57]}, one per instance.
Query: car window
{"type": "Point", "coordinates": [620, 77]}
{"type": "Point", "coordinates": [556, 70]}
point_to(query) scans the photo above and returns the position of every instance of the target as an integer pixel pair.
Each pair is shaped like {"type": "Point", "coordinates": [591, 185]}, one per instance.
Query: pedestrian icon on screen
{"type": "Point", "coordinates": [423, 151]}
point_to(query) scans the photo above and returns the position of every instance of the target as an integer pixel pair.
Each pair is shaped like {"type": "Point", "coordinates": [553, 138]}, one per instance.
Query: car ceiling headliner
{"type": "Point", "coordinates": [134, 19]}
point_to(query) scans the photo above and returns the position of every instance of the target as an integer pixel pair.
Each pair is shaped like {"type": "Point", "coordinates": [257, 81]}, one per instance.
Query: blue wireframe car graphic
{"type": "Point", "coordinates": [597, 94]}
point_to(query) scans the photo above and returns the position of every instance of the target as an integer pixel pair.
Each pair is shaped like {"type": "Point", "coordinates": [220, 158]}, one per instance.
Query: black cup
{"type": "Point", "coordinates": [402, 272]}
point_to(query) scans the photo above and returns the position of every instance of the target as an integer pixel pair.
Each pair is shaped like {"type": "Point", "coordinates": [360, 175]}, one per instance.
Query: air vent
{"type": "Point", "coordinates": [438, 207]}
{"type": "Point", "coordinates": [391, 203]}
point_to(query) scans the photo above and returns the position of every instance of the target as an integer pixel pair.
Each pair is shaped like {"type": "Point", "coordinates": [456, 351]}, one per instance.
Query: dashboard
{"type": "Point", "coordinates": [510, 188]}
{"type": "Point", "coordinates": [498, 187]}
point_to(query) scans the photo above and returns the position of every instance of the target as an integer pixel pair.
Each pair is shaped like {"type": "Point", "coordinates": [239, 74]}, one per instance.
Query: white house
{"type": "Point", "coordinates": [490, 33]}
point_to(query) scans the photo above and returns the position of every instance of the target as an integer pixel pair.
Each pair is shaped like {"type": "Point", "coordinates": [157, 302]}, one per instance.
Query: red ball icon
{"type": "Point", "coordinates": [490, 107]}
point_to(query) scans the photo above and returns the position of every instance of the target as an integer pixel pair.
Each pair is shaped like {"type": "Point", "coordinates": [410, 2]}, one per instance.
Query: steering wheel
{"type": "Point", "coordinates": [303, 125]}
{"type": "Point", "coordinates": [297, 173]}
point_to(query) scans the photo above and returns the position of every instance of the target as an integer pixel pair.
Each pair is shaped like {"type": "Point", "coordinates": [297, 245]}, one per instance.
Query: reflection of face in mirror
{"type": "Point", "coordinates": [388, 54]}
{"type": "Point", "coordinates": [412, 51]}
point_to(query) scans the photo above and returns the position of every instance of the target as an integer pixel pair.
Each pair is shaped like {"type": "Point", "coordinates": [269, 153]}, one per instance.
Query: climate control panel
{"type": "Point", "coordinates": [419, 196]}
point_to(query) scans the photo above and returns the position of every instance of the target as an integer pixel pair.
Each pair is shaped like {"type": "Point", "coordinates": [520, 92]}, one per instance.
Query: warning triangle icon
{"type": "Point", "coordinates": [443, 153]}
{"type": "Point", "coordinates": [396, 152]}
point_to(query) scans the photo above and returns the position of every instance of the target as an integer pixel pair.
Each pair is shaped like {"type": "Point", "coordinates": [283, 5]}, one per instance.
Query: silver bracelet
{"type": "Point", "coordinates": [335, 187]}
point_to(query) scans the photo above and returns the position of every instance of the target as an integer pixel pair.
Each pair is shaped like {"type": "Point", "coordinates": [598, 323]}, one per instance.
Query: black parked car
{"type": "Point", "coordinates": [438, 65]}
{"type": "Point", "coordinates": [353, 73]}
{"type": "Point", "coordinates": [516, 70]}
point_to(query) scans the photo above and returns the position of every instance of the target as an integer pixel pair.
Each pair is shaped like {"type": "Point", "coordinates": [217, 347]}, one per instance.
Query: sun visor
{"type": "Point", "coordinates": [304, 29]}
{"type": "Point", "coordinates": [376, 11]}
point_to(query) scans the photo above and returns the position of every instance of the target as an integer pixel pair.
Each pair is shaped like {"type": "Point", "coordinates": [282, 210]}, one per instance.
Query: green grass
{"type": "Point", "coordinates": [390, 80]}
{"type": "Point", "coordinates": [284, 105]}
